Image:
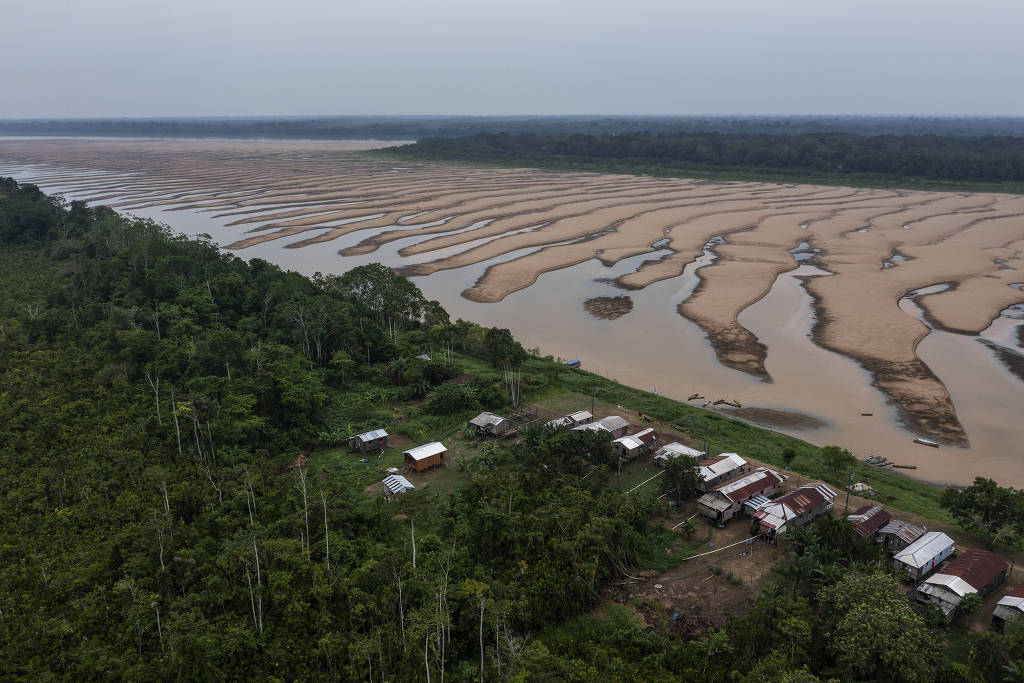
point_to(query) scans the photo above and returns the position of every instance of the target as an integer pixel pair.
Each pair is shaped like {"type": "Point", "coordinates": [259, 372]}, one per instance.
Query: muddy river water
{"type": "Point", "coordinates": [653, 347]}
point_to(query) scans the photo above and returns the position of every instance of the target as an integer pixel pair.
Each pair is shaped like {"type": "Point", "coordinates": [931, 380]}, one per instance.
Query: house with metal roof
{"type": "Point", "coordinates": [976, 571]}
{"type": "Point", "coordinates": [580, 417]}
{"type": "Point", "coordinates": [395, 484]}
{"type": "Point", "coordinates": [613, 424]}
{"type": "Point", "coordinates": [675, 450]}
{"type": "Point", "coordinates": [629, 447]}
{"type": "Point", "coordinates": [897, 535]}
{"type": "Point", "coordinates": [868, 519]}
{"type": "Point", "coordinates": [426, 456]}
{"type": "Point", "coordinates": [923, 555]}
{"type": "Point", "coordinates": [377, 440]}
{"type": "Point", "coordinates": [718, 469]}
{"type": "Point", "coordinates": [726, 500]}
{"type": "Point", "coordinates": [489, 424]}
{"type": "Point", "coordinates": [1009, 608]}
{"type": "Point", "coordinates": [796, 508]}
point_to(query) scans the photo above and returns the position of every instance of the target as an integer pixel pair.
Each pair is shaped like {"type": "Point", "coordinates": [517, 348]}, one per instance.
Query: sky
{"type": "Point", "coordinates": [113, 58]}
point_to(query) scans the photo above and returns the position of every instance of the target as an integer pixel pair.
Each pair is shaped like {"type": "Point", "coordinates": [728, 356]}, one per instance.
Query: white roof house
{"type": "Point", "coordinates": [396, 484]}
{"type": "Point", "coordinates": [1011, 605]}
{"type": "Point", "coordinates": [425, 451]}
{"type": "Point", "coordinates": [924, 554]}
{"type": "Point", "coordinates": [676, 449]}
{"type": "Point", "coordinates": [372, 436]}
{"type": "Point", "coordinates": [629, 442]}
{"type": "Point", "coordinates": [486, 419]}
{"type": "Point", "coordinates": [607, 424]}
{"type": "Point", "coordinates": [580, 416]}
{"type": "Point", "coordinates": [726, 462]}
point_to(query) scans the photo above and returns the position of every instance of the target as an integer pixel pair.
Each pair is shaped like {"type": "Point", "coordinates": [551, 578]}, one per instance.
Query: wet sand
{"type": "Point", "coordinates": [704, 264]}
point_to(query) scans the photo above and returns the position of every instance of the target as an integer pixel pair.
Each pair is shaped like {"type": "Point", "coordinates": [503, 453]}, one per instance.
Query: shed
{"type": "Point", "coordinates": [675, 450]}
{"type": "Point", "coordinates": [425, 357]}
{"type": "Point", "coordinates": [489, 423]}
{"type": "Point", "coordinates": [722, 467]}
{"type": "Point", "coordinates": [425, 456]}
{"type": "Point", "coordinates": [376, 440]}
{"type": "Point", "coordinates": [726, 500]}
{"type": "Point", "coordinates": [1009, 607]}
{"type": "Point", "coordinates": [976, 571]}
{"type": "Point", "coordinates": [793, 509]}
{"type": "Point", "coordinates": [897, 535]}
{"type": "Point", "coordinates": [868, 519]}
{"type": "Point", "coordinates": [395, 484]}
{"type": "Point", "coordinates": [580, 417]}
{"type": "Point", "coordinates": [923, 555]}
{"type": "Point", "coordinates": [629, 447]}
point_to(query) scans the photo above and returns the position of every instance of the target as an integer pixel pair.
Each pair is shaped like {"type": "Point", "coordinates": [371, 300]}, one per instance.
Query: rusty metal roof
{"type": "Point", "coordinates": [977, 567]}
{"type": "Point", "coordinates": [903, 530]}
{"type": "Point", "coordinates": [868, 519]}
{"type": "Point", "coordinates": [741, 488]}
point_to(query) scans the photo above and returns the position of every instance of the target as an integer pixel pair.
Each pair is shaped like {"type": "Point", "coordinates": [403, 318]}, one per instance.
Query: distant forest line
{"type": "Point", "coordinates": [924, 161]}
{"type": "Point", "coordinates": [417, 127]}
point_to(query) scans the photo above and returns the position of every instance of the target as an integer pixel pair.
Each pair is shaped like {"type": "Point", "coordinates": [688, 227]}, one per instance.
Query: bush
{"type": "Point", "coordinates": [451, 398]}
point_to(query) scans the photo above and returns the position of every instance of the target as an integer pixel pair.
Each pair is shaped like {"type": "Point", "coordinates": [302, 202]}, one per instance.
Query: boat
{"type": "Point", "coordinates": [926, 442]}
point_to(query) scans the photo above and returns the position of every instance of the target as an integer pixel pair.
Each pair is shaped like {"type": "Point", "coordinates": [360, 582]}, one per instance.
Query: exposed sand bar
{"type": "Point", "coordinates": [498, 235]}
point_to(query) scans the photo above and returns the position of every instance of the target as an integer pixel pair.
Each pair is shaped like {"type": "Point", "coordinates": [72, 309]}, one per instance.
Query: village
{"type": "Point", "coordinates": [746, 509]}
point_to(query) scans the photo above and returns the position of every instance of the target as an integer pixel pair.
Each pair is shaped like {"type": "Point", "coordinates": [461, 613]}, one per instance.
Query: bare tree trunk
{"type": "Point", "coordinates": [177, 427]}
{"type": "Point", "coordinates": [156, 394]}
{"type": "Point", "coordinates": [481, 637]}
{"type": "Point", "coordinates": [327, 538]}
{"type": "Point", "coordinates": [305, 506]}
{"type": "Point", "coordinates": [401, 610]}
{"type": "Point", "coordinates": [426, 662]}
{"type": "Point", "coordinates": [167, 509]}
{"type": "Point", "coordinates": [159, 629]}
{"type": "Point", "coordinates": [412, 526]}
{"type": "Point", "coordinates": [252, 598]}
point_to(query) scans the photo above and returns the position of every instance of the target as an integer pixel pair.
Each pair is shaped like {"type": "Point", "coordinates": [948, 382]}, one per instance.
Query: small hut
{"type": "Point", "coordinates": [1009, 608]}
{"type": "Point", "coordinates": [426, 456]}
{"type": "Point", "coordinates": [489, 424]}
{"type": "Point", "coordinates": [377, 440]}
{"type": "Point", "coordinates": [868, 519]}
{"type": "Point", "coordinates": [976, 571]}
{"type": "Point", "coordinates": [675, 450]}
{"type": "Point", "coordinates": [629, 447]}
{"type": "Point", "coordinates": [897, 535]}
{"type": "Point", "coordinates": [395, 484]}
{"type": "Point", "coordinates": [726, 500]}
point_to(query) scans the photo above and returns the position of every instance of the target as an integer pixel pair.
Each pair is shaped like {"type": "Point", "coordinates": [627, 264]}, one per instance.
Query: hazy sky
{"type": "Point", "coordinates": [70, 58]}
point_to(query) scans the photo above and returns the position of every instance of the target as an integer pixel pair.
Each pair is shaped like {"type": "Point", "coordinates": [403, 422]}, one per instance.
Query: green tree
{"type": "Point", "coordinates": [993, 512]}
{"type": "Point", "coordinates": [682, 477]}
{"type": "Point", "coordinates": [837, 459]}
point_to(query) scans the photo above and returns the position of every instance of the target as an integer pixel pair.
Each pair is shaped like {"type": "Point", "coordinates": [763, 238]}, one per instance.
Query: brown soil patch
{"type": "Point", "coordinates": [769, 417]}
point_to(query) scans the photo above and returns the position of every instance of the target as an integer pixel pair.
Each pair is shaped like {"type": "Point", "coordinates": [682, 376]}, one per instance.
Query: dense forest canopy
{"type": "Point", "coordinates": [172, 507]}
{"type": "Point", "coordinates": [810, 156]}
{"type": "Point", "coordinates": [415, 127]}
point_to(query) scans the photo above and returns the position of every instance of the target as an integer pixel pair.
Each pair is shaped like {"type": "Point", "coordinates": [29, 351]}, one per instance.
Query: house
{"type": "Point", "coordinates": [897, 535]}
{"type": "Point", "coordinates": [923, 555]}
{"type": "Point", "coordinates": [377, 440]}
{"type": "Point", "coordinates": [486, 424]}
{"type": "Point", "coordinates": [675, 450]}
{"type": "Point", "coordinates": [976, 571]}
{"type": "Point", "coordinates": [613, 424]}
{"type": "Point", "coordinates": [793, 509]}
{"type": "Point", "coordinates": [425, 456]}
{"type": "Point", "coordinates": [725, 501]}
{"type": "Point", "coordinates": [1010, 607]}
{"type": "Point", "coordinates": [868, 519]}
{"type": "Point", "coordinates": [722, 467]}
{"type": "Point", "coordinates": [629, 447]}
{"type": "Point", "coordinates": [395, 484]}
{"type": "Point", "coordinates": [580, 417]}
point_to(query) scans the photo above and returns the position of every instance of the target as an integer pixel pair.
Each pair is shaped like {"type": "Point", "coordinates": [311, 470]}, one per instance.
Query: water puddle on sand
{"type": "Point", "coordinates": [653, 346]}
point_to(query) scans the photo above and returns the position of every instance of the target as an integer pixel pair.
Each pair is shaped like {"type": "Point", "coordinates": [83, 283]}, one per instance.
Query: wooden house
{"type": "Point", "coordinates": [976, 571]}
{"type": "Point", "coordinates": [426, 456]}
{"type": "Point", "coordinates": [675, 450]}
{"type": "Point", "coordinates": [868, 519]}
{"type": "Point", "coordinates": [377, 440]}
{"type": "Point", "coordinates": [489, 424]}
{"type": "Point", "coordinates": [1009, 608]}
{"type": "Point", "coordinates": [613, 424]}
{"type": "Point", "coordinates": [719, 469]}
{"type": "Point", "coordinates": [395, 484]}
{"type": "Point", "coordinates": [796, 508]}
{"type": "Point", "coordinates": [923, 555]}
{"type": "Point", "coordinates": [726, 500]}
{"type": "Point", "coordinates": [897, 535]}
{"type": "Point", "coordinates": [629, 447]}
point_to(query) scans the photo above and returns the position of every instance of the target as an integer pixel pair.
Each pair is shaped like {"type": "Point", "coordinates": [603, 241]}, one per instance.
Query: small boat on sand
{"type": "Point", "coordinates": [926, 442]}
